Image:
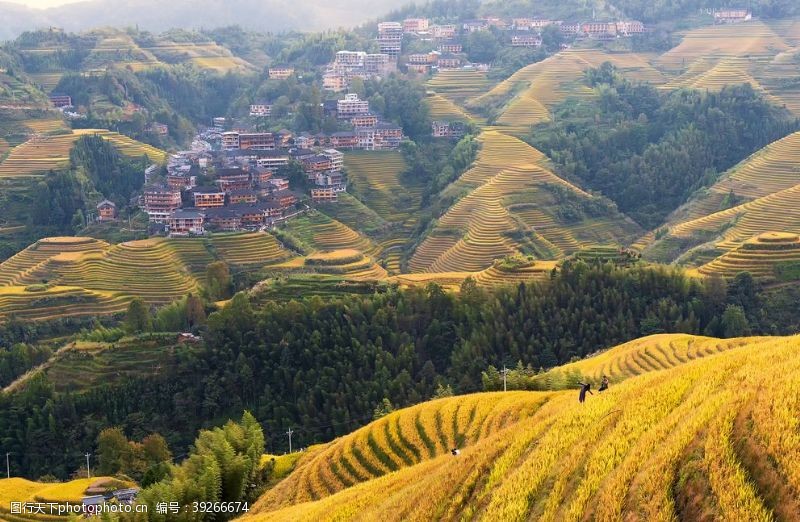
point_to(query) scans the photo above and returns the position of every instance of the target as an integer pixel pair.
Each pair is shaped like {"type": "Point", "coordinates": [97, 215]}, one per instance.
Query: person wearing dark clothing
{"type": "Point", "coordinates": [585, 387]}
{"type": "Point", "coordinates": [603, 384]}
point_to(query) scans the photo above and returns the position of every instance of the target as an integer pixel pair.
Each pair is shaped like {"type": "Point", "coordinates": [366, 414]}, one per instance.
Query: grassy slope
{"type": "Point", "coordinates": [720, 425]}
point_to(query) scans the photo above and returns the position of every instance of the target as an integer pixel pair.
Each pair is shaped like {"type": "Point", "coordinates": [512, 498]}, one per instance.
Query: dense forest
{"type": "Point", "coordinates": [649, 150]}
{"type": "Point", "coordinates": [97, 171]}
{"type": "Point", "coordinates": [322, 366]}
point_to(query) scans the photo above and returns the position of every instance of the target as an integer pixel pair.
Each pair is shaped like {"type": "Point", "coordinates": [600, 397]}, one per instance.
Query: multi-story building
{"type": "Point", "coordinates": [224, 218]}
{"type": "Point", "coordinates": [415, 25]}
{"type": "Point", "coordinates": [472, 26]}
{"type": "Point", "coordinates": [208, 197]}
{"type": "Point", "coordinates": [336, 159]}
{"type": "Point", "coordinates": [261, 175]}
{"type": "Point", "coordinates": [364, 120]}
{"type": "Point", "coordinates": [423, 58]}
{"type": "Point", "coordinates": [257, 141]}
{"type": "Point", "coordinates": [242, 196]}
{"type": "Point", "coordinates": [335, 82]}
{"type": "Point", "coordinates": [181, 181]}
{"type": "Point", "coordinates": [233, 179]}
{"type": "Point", "coordinates": [390, 38]}
{"type": "Point", "coordinates": [447, 129]}
{"type": "Point", "coordinates": [160, 202]}
{"type": "Point", "coordinates": [280, 72]}
{"type": "Point", "coordinates": [732, 16]}
{"type": "Point", "coordinates": [351, 106]}
{"type": "Point", "coordinates": [420, 68]}
{"type": "Point", "coordinates": [344, 140]}
{"type": "Point", "coordinates": [230, 140]}
{"type": "Point", "coordinates": [449, 62]}
{"type": "Point", "coordinates": [273, 160]}
{"type": "Point", "coordinates": [284, 198]}
{"type": "Point", "coordinates": [526, 40]}
{"type": "Point", "coordinates": [599, 29]}
{"type": "Point", "coordinates": [61, 101]}
{"type": "Point", "coordinates": [183, 222]}
{"type": "Point", "coordinates": [630, 27]}
{"type": "Point", "coordinates": [106, 210]}
{"type": "Point", "coordinates": [316, 164]}
{"type": "Point", "coordinates": [324, 195]}
{"type": "Point", "coordinates": [443, 32]}
{"type": "Point", "coordinates": [450, 47]}
{"type": "Point", "coordinates": [571, 28]}
{"type": "Point", "coordinates": [350, 58]}
{"type": "Point", "coordinates": [260, 109]}
{"type": "Point", "coordinates": [384, 136]}
{"type": "Point", "coordinates": [379, 64]}
{"type": "Point", "coordinates": [278, 184]}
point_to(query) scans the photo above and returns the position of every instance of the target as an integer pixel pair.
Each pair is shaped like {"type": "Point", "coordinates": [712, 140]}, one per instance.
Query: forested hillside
{"type": "Point", "coordinates": [649, 150]}
{"type": "Point", "coordinates": [329, 363]}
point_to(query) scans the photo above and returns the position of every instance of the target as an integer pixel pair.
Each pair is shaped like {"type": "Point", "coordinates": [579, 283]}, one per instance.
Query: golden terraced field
{"type": "Point", "coordinates": [537, 88]}
{"type": "Point", "coordinates": [712, 436]}
{"type": "Point", "coordinates": [77, 276]}
{"type": "Point", "coordinates": [479, 227]}
{"type": "Point", "coordinates": [764, 256]}
{"type": "Point", "coordinates": [40, 154]}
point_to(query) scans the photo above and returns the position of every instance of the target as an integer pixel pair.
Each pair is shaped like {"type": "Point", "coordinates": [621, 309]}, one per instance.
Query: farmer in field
{"type": "Point", "coordinates": [585, 387]}
{"type": "Point", "coordinates": [603, 384]}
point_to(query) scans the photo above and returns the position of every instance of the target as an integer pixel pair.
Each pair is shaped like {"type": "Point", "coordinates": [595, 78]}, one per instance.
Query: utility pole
{"type": "Point", "coordinates": [505, 374]}
{"type": "Point", "coordinates": [8, 468]}
{"type": "Point", "coordinates": [88, 470]}
{"type": "Point", "coordinates": [289, 433]}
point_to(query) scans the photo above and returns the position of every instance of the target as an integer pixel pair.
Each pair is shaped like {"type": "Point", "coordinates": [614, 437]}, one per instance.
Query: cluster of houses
{"type": "Point", "coordinates": [245, 192]}
{"type": "Point", "coordinates": [732, 16]}
{"type": "Point", "coordinates": [243, 187]}
{"type": "Point", "coordinates": [356, 64]}
{"type": "Point", "coordinates": [368, 132]}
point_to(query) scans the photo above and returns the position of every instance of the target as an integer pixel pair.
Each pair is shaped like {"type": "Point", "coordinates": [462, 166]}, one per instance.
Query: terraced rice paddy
{"type": "Point", "coordinates": [649, 354]}
{"type": "Point", "coordinates": [47, 81]}
{"type": "Point", "coordinates": [760, 54]}
{"type": "Point", "coordinates": [44, 126]}
{"type": "Point", "coordinates": [205, 55]}
{"type": "Point", "coordinates": [76, 276]}
{"type": "Point", "coordinates": [774, 168]}
{"type": "Point", "coordinates": [83, 365]}
{"type": "Point", "coordinates": [688, 425]}
{"type": "Point", "coordinates": [537, 88]}
{"type": "Point", "coordinates": [479, 227]}
{"type": "Point", "coordinates": [460, 84]}
{"type": "Point", "coordinates": [776, 211]}
{"type": "Point", "coordinates": [495, 275]}
{"type": "Point", "coordinates": [767, 257]}
{"type": "Point", "coordinates": [40, 154]}
{"type": "Point", "coordinates": [346, 264]}
{"type": "Point", "coordinates": [443, 109]}
{"type": "Point", "coordinates": [252, 248]}
{"type": "Point", "coordinates": [377, 178]}
{"type": "Point", "coordinates": [399, 440]}
{"type": "Point", "coordinates": [319, 232]}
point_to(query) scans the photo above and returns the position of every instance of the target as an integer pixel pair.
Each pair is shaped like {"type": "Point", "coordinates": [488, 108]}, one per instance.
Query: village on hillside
{"type": "Point", "coordinates": [238, 176]}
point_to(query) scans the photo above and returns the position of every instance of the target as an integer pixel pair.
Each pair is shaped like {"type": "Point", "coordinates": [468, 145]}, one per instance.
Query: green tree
{"type": "Point", "coordinates": [137, 318]}
{"type": "Point", "coordinates": [734, 322]}
{"type": "Point", "coordinates": [112, 449]}
{"type": "Point", "coordinates": [218, 281]}
{"type": "Point", "coordinates": [195, 311]}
